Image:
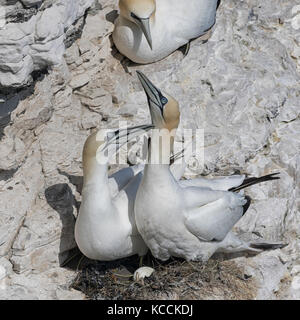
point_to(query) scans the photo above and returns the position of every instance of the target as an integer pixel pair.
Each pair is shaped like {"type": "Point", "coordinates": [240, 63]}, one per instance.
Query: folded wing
{"type": "Point", "coordinates": [213, 220]}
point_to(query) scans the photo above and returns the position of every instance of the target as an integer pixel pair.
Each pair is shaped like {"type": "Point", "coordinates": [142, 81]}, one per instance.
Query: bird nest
{"type": "Point", "coordinates": [175, 279]}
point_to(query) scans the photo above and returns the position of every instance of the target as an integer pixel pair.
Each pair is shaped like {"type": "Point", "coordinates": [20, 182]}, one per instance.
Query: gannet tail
{"type": "Point", "coordinates": [252, 181]}
{"type": "Point", "coordinates": [268, 245]}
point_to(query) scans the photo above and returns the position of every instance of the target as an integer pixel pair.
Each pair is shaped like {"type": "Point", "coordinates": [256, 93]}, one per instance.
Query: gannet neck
{"type": "Point", "coordinates": [92, 169]}
{"type": "Point", "coordinates": [161, 146]}
{"type": "Point", "coordinates": [96, 185]}
{"type": "Point", "coordinates": [157, 170]}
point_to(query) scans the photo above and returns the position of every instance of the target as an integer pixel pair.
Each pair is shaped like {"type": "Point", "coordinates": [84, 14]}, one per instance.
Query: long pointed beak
{"type": "Point", "coordinates": [122, 136]}
{"type": "Point", "coordinates": [152, 92]}
{"type": "Point", "coordinates": [145, 26]}
{"type": "Point", "coordinates": [155, 97]}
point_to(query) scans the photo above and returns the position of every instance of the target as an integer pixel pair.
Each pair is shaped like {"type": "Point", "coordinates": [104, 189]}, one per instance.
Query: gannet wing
{"type": "Point", "coordinates": [213, 220]}
{"type": "Point", "coordinates": [224, 183]}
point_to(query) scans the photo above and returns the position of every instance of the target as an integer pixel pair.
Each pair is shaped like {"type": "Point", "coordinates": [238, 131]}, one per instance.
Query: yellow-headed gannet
{"type": "Point", "coordinates": [105, 228]}
{"type": "Point", "coordinates": [191, 219]}
{"type": "Point", "coordinates": [149, 30]}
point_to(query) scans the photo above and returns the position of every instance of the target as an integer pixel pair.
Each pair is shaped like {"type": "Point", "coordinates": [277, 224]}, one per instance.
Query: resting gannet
{"type": "Point", "coordinates": [192, 219]}
{"type": "Point", "coordinates": [149, 30]}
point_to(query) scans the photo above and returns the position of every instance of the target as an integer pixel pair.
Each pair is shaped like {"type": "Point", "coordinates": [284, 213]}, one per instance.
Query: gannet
{"type": "Point", "coordinates": [192, 219]}
{"type": "Point", "coordinates": [105, 228]}
{"type": "Point", "coordinates": [149, 30]}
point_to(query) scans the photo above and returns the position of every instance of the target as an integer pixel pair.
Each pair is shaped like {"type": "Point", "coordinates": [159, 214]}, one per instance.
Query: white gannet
{"type": "Point", "coordinates": [149, 30]}
{"type": "Point", "coordinates": [105, 228]}
{"type": "Point", "coordinates": [191, 219]}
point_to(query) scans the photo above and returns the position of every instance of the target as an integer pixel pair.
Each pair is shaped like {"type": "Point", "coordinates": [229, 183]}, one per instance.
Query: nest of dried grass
{"type": "Point", "coordinates": [175, 279]}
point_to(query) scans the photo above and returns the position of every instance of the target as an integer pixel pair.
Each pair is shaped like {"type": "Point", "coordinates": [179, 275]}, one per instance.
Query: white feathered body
{"type": "Point", "coordinates": [105, 228]}
{"type": "Point", "coordinates": [182, 220]}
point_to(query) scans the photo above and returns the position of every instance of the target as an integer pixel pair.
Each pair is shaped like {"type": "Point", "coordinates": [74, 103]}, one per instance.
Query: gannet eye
{"type": "Point", "coordinates": [134, 16]}
{"type": "Point", "coordinates": [164, 101]}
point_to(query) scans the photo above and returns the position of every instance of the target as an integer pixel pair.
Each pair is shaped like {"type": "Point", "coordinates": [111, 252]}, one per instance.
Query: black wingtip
{"type": "Point", "coordinates": [268, 246]}
{"type": "Point", "coordinates": [252, 181]}
{"type": "Point", "coordinates": [272, 176]}
{"type": "Point", "coordinates": [247, 205]}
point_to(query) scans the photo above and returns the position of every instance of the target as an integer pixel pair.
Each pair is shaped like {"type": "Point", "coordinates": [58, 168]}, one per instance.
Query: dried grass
{"type": "Point", "coordinates": [175, 279]}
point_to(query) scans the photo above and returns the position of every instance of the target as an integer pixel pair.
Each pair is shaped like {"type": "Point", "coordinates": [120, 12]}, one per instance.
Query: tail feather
{"type": "Point", "coordinates": [268, 245]}
{"type": "Point", "coordinates": [252, 181]}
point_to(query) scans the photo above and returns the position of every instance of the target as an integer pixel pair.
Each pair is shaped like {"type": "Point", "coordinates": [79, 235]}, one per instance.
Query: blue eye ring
{"type": "Point", "coordinates": [164, 100]}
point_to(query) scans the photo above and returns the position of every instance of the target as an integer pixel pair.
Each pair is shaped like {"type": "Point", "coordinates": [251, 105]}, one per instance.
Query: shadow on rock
{"type": "Point", "coordinates": [95, 8]}
{"type": "Point", "coordinates": [62, 200]}
{"type": "Point", "coordinates": [77, 181]}
{"type": "Point", "coordinates": [112, 16]}
{"type": "Point", "coordinates": [11, 97]}
{"type": "Point", "coordinates": [7, 174]}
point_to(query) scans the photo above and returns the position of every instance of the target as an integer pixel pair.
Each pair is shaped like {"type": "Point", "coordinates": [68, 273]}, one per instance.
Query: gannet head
{"type": "Point", "coordinates": [164, 109]}
{"type": "Point", "coordinates": [92, 144]}
{"type": "Point", "coordinates": [140, 13]}
{"type": "Point", "coordinates": [100, 145]}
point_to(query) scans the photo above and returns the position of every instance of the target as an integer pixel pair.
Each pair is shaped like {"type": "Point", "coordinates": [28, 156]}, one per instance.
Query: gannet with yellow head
{"type": "Point", "coordinates": [149, 30]}
{"type": "Point", "coordinates": [191, 219]}
{"type": "Point", "coordinates": [105, 228]}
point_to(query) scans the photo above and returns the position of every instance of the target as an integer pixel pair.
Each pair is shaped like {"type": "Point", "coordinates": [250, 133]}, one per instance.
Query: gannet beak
{"type": "Point", "coordinates": [144, 24]}
{"type": "Point", "coordinates": [122, 136]}
{"type": "Point", "coordinates": [156, 101]}
{"type": "Point", "coordinates": [153, 93]}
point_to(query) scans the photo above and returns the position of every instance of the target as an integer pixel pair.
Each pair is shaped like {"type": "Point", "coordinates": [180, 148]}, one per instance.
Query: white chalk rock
{"type": "Point", "coordinates": [37, 42]}
{"type": "Point", "coordinates": [2, 273]}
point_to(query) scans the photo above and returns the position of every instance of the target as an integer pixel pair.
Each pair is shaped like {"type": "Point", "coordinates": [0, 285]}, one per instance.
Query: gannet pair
{"type": "Point", "coordinates": [192, 219]}
{"type": "Point", "coordinates": [149, 30]}
{"type": "Point", "coordinates": [105, 228]}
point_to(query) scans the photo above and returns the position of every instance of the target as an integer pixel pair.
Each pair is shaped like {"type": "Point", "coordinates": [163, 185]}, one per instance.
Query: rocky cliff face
{"type": "Point", "coordinates": [35, 35]}
{"type": "Point", "coordinates": [242, 87]}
